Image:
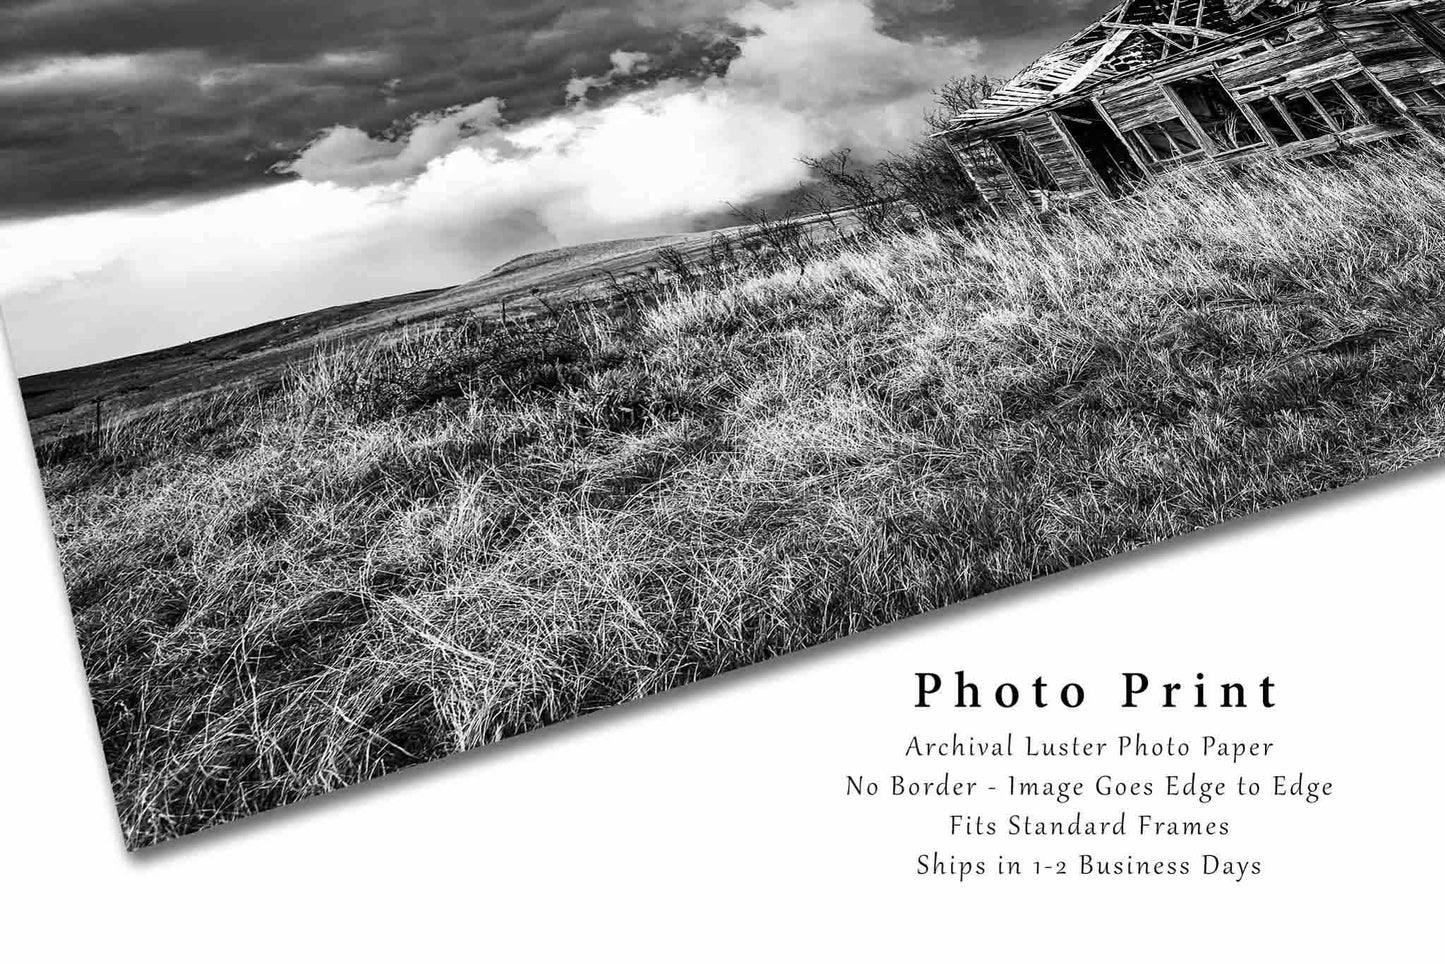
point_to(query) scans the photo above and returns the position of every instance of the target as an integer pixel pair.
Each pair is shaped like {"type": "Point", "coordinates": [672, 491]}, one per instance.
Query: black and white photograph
{"type": "Point", "coordinates": [408, 377]}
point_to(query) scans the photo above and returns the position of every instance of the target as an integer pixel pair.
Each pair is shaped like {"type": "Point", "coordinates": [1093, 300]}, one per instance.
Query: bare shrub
{"type": "Point", "coordinates": [924, 182]}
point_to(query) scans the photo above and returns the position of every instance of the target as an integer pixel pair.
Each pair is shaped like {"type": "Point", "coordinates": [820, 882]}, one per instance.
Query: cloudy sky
{"type": "Point", "coordinates": [172, 169]}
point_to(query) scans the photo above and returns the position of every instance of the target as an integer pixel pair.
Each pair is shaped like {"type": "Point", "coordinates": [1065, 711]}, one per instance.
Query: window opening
{"type": "Point", "coordinates": [1274, 121]}
{"type": "Point", "coordinates": [1307, 116]}
{"type": "Point", "coordinates": [1337, 107]}
{"type": "Point", "coordinates": [1103, 149]}
{"type": "Point", "coordinates": [1167, 141]}
{"type": "Point", "coordinates": [1428, 106]}
{"type": "Point", "coordinates": [1026, 164]}
{"type": "Point", "coordinates": [1216, 111]}
{"type": "Point", "coordinates": [1373, 104]}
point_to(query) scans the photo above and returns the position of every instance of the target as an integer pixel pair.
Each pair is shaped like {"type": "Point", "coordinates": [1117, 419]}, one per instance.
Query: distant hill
{"type": "Point", "coordinates": [60, 402]}
{"type": "Point", "coordinates": [56, 402]}
{"type": "Point", "coordinates": [567, 271]}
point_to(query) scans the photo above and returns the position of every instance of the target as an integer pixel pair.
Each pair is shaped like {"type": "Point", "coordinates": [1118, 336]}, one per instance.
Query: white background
{"type": "Point", "coordinates": [713, 823]}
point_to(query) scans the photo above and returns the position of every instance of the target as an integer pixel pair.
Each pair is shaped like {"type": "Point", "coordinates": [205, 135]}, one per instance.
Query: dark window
{"type": "Point", "coordinates": [1178, 132]}
{"type": "Point", "coordinates": [1026, 164]}
{"type": "Point", "coordinates": [1101, 147]}
{"type": "Point", "coordinates": [1142, 147]}
{"type": "Point", "coordinates": [1307, 116]}
{"type": "Point", "coordinates": [1274, 121]}
{"type": "Point", "coordinates": [1338, 107]}
{"type": "Point", "coordinates": [1376, 107]}
{"type": "Point", "coordinates": [1210, 104]}
{"type": "Point", "coordinates": [1428, 106]}
{"type": "Point", "coordinates": [1167, 141]}
{"type": "Point", "coordinates": [1428, 97]}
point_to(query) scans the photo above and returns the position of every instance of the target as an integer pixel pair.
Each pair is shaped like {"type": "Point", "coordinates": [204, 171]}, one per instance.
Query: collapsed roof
{"type": "Point", "coordinates": [1134, 34]}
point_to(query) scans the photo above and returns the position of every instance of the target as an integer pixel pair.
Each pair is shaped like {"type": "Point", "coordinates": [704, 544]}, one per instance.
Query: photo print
{"type": "Point", "coordinates": [404, 377]}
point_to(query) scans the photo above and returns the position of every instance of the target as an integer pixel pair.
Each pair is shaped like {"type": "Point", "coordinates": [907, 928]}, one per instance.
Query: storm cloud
{"type": "Point", "coordinates": [177, 168]}
{"type": "Point", "coordinates": [110, 101]}
{"type": "Point", "coordinates": [106, 101]}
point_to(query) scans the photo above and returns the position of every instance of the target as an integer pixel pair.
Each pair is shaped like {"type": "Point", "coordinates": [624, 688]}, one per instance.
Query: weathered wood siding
{"type": "Point", "coordinates": [1297, 65]}
{"type": "Point", "coordinates": [1073, 178]}
{"type": "Point", "coordinates": [1399, 44]}
{"type": "Point", "coordinates": [1390, 50]}
{"type": "Point", "coordinates": [1134, 103]}
{"type": "Point", "coordinates": [988, 173]}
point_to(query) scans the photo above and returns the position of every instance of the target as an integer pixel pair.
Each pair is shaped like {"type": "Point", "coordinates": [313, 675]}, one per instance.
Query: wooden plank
{"type": "Point", "coordinates": [1239, 9]}
{"type": "Point", "coordinates": [1135, 104]}
{"type": "Point", "coordinates": [992, 180]}
{"type": "Point", "coordinates": [1173, 20]}
{"type": "Point", "coordinates": [1181, 29]}
{"type": "Point", "coordinates": [1056, 154]}
{"type": "Point", "coordinates": [1095, 62]}
{"type": "Point", "coordinates": [1274, 64]}
{"type": "Point", "coordinates": [968, 171]}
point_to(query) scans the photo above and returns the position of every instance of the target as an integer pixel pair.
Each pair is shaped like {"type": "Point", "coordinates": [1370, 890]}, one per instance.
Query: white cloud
{"type": "Point", "coordinates": [629, 63]}
{"type": "Point", "coordinates": [625, 63]}
{"type": "Point", "coordinates": [351, 158]}
{"type": "Point", "coordinates": [463, 190]}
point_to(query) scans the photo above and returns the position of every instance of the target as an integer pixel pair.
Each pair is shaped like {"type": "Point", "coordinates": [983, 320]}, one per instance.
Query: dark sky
{"type": "Point", "coordinates": [113, 101]}
{"type": "Point", "coordinates": [173, 169]}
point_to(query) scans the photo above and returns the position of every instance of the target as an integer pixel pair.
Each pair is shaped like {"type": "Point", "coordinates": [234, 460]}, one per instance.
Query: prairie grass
{"type": "Point", "coordinates": [423, 546]}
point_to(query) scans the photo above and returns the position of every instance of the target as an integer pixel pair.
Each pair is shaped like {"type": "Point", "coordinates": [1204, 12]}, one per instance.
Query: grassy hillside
{"type": "Point", "coordinates": [420, 547]}
{"type": "Point", "coordinates": [62, 403]}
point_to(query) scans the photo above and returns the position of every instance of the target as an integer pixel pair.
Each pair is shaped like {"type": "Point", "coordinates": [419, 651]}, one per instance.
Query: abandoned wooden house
{"type": "Point", "coordinates": [1161, 83]}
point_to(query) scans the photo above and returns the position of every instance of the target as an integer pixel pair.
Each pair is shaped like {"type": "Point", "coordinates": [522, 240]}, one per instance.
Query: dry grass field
{"type": "Point", "coordinates": [62, 403]}
{"type": "Point", "coordinates": [420, 545]}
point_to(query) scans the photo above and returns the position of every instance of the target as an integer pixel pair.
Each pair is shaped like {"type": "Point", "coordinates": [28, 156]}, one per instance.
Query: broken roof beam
{"type": "Point", "coordinates": [1088, 36]}
{"type": "Point", "coordinates": [1170, 41]}
{"type": "Point", "coordinates": [1203, 33]}
{"type": "Point", "coordinates": [1092, 65]}
{"type": "Point", "coordinates": [1173, 19]}
{"type": "Point", "coordinates": [1239, 9]}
